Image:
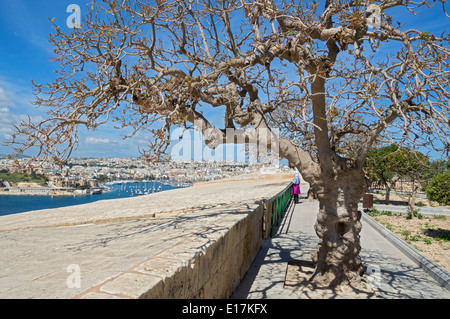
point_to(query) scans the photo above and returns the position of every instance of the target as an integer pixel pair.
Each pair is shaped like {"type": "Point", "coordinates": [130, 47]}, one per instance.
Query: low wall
{"type": "Point", "coordinates": [196, 242]}
{"type": "Point", "coordinates": [216, 260]}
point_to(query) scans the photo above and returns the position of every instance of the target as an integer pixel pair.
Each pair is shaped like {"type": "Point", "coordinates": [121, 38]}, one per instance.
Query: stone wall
{"type": "Point", "coordinates": [216, 259]}
{"type": "Point", "coordinates": [208, 264]}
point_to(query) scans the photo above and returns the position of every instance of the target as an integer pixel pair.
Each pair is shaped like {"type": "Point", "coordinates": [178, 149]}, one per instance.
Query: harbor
{"type": "Point", "coordinates": [119, 189]}
{"type": "Point", "coordinates": [145, 187]}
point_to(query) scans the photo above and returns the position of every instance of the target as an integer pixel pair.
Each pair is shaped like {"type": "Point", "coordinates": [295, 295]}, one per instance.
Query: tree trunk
{"type": "Point", "coordinates": [387, 199]}
{"type": "Point", "coordinates": [311, 194]}
{"type": "Point", "coordinates": [338, 226]}
{"type": "Point", "coordinates": [339, 186]}
{"type": "Point", "coordinates": [412, 198]}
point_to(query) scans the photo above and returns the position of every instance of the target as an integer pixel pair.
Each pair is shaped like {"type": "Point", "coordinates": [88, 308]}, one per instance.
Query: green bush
{"type": "Point", "coordinates": [438, 189]}
{"type": "Point", "coordinates": [414, 213]}
{"type": "Point", "coordinates": [420, 204]}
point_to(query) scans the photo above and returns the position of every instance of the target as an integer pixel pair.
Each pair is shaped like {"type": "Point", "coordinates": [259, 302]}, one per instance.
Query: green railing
{"type": "Point", "coordinates": [279, 205]}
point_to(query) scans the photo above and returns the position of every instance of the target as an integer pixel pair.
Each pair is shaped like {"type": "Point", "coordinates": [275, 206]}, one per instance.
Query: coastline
{"type": "Point", "coordinates": [34, 194]}
{"type": "Point", "coordinates": [51, 192]}
{"type": "Point", "coordinates": [105, 188]}
{"type": "Point", "coordinates": [13, 203]}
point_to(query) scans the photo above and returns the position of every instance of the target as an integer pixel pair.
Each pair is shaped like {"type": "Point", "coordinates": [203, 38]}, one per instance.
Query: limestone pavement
{"type": "Point", "coordinates": [115, 248]}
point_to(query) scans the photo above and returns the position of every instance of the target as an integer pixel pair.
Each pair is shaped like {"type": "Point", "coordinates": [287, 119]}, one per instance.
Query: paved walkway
{"type": "Point", "coordinates": [394, 274]}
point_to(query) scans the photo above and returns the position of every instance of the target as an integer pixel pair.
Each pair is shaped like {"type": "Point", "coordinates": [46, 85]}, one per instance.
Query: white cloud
{"type": "Point", "coordinates": [97, 140]}
{"type": "Point", "coordinates": [8, 119]}
{"type": "Point", "coordinates": [4, 101]}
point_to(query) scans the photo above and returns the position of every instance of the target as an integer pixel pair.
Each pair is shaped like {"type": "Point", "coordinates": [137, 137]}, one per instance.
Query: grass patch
{"type": "Point", "coordinates": [445, 238]}
{"type": "Point", "coordinates": [407, 236]}
{"type": "Point", "coordinates": [406, 233]}
{"type": "Point", "coordinates": [438, 234]}
{"type": "Point", "coordinates": [376, 212]}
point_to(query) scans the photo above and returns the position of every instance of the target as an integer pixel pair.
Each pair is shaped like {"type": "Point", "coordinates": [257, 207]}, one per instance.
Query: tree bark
{"type": "Point", "coordinates": [412, 198]}
{"type": "Point", "coordinates": [338, 226]}
{"type": "Point", "coordinates": [387, 198]}
{"type": "Point", "coordinates": [339, 188]}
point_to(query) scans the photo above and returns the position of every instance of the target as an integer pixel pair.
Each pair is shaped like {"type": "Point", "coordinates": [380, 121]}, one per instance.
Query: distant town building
{"type": "Point", "coordinates": [92, 172]}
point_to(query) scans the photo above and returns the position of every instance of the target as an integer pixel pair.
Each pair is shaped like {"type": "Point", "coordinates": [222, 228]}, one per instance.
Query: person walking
{"type": "Point", "coordinates": [295, 190]}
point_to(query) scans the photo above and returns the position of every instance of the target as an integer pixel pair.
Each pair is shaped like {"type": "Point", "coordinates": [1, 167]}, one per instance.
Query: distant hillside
{"type": "Point", "coordinates": [15, 178]}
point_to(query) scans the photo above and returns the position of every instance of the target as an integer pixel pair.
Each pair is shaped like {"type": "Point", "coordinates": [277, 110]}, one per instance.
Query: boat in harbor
{"type": "Point", "coordinates": [96, 191]}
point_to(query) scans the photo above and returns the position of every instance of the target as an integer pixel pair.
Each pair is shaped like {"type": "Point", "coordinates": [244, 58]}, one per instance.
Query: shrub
{"type": "Point", "coordinates": [420, 204]}
{"type": "Point", "coordinates": [438, 189]}
{"type": "Point", "coordinates": [414, 213]}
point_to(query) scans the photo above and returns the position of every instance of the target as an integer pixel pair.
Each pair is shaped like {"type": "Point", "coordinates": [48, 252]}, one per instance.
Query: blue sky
{"type": "Point", "coordinates": [25, 54]}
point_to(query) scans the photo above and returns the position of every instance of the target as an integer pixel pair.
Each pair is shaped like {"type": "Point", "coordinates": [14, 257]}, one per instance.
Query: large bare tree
{"type": "Point", "coordinates": [333, 77]}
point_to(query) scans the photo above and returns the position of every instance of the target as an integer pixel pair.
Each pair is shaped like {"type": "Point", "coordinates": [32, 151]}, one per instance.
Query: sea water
{"type": "Point", "coordinates": [11, 204]}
